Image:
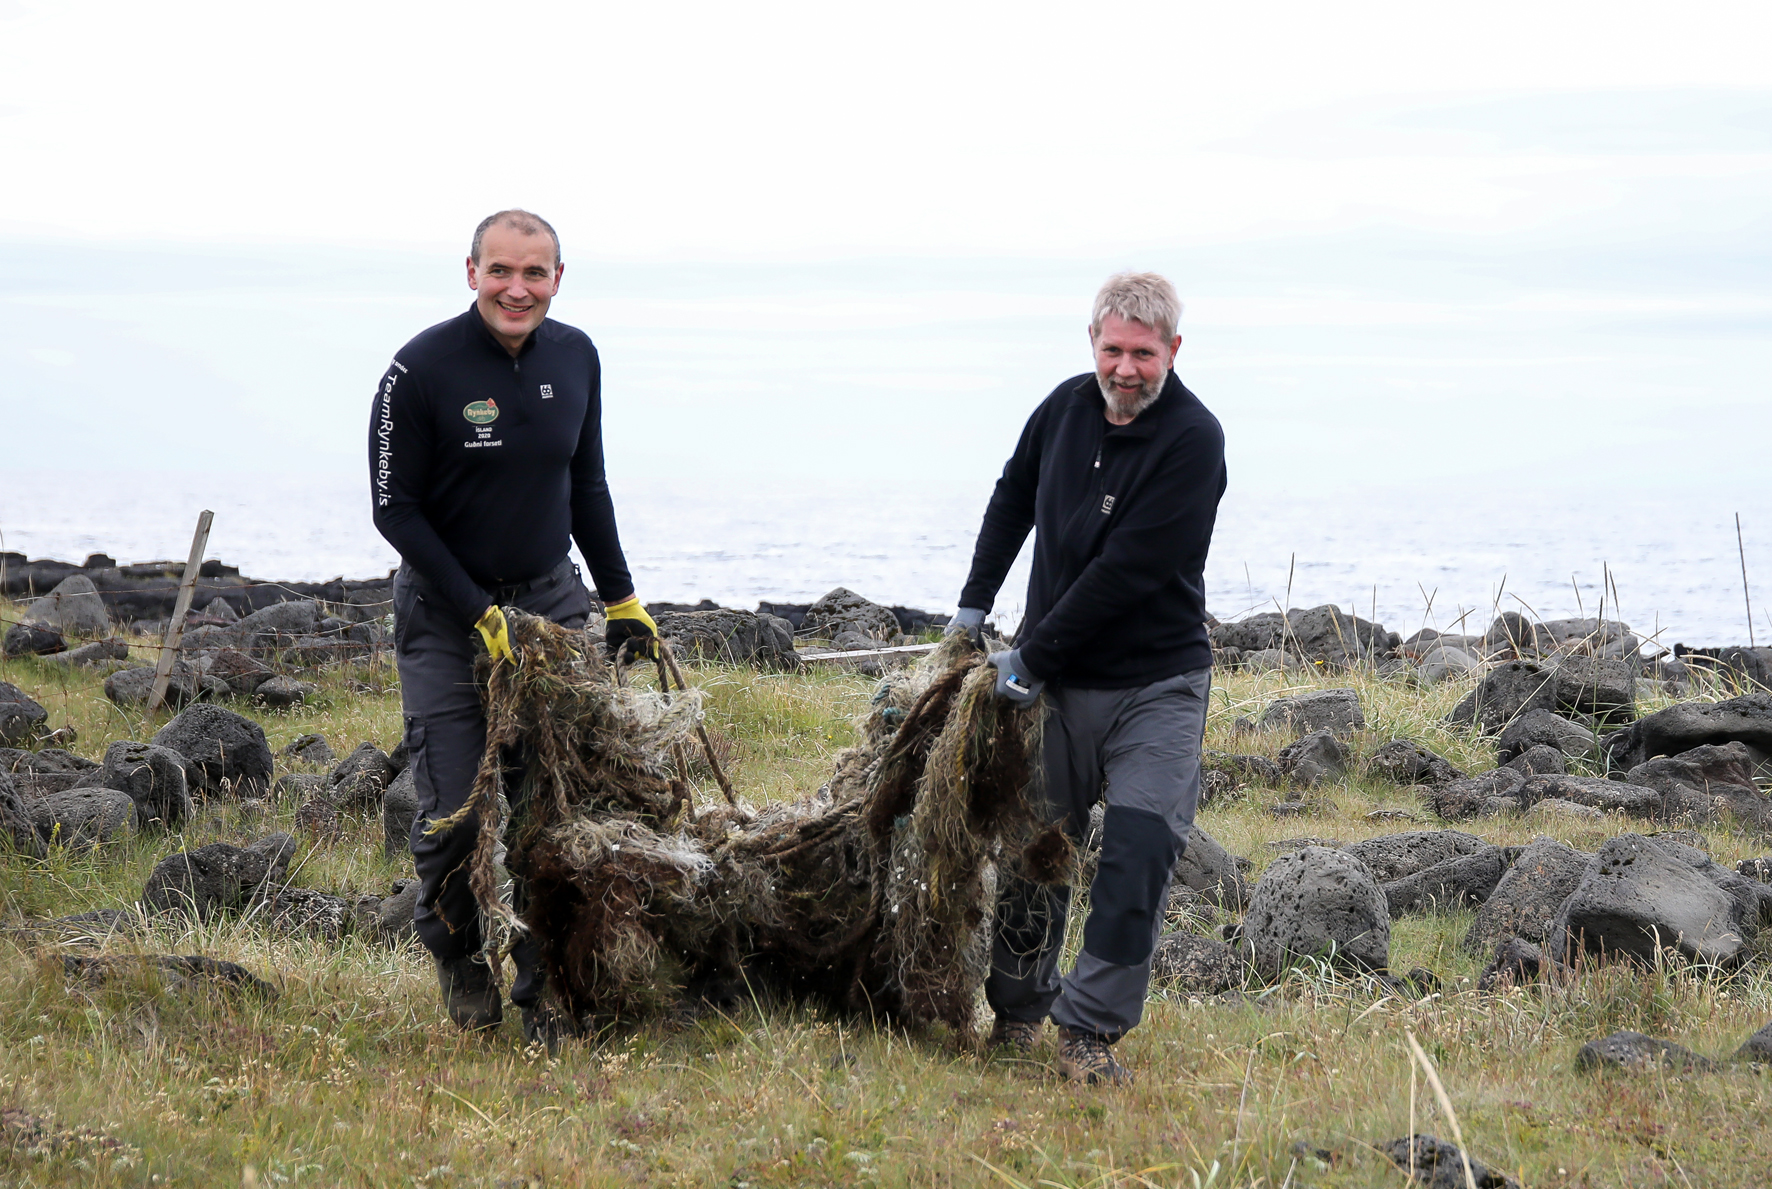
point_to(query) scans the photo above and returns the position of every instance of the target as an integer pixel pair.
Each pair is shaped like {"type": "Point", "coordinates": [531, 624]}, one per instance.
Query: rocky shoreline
{"type": "Point", "coordinates": [1610, 653]}
{"type": "Point", "coordinates": [1649, 893]}
{"type": "Point", "coordinates": [1692, 764]}
{"type": "Point", "coordinates": [266, 640]}
{"type": "Point", "coordinates": [254, 638]}
{"type": "Point", "coordinates": [1602, 771]}
{"type": "Point", "coordinates": [142, 594]}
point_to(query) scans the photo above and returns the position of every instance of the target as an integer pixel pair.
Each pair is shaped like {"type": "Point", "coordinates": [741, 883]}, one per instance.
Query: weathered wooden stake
{"type": "Point", "coordinates": [707, 745]}
{"type": "Point", "coordinates": [175, 629]}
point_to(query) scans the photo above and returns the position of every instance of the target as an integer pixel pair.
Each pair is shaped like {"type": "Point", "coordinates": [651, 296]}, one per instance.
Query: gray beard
{"type": "Point", "coordinates": [1120, 407]}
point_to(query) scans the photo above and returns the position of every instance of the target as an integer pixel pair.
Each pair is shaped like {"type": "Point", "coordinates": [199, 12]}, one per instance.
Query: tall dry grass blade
{"type": "Point", "coordinates": [1741, 552]}
{"type": "Point", "coordinates": [1433, 1079]}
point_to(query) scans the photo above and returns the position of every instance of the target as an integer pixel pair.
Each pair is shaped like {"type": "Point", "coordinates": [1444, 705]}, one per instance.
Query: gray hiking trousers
{"type": "Point", "coordinates": [1144, 745]}
{"type": "Point", "coordinates": [446, 734]}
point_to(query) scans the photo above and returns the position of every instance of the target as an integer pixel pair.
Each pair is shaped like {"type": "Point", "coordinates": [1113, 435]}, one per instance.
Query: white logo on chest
{"type": "Point", "coordinates": [1107, 503]}
{"type": "Point", "coordinates": [547, 392]}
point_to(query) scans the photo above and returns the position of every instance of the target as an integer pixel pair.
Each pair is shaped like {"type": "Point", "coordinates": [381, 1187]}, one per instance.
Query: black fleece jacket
{"type": "Point", "coordinates": [481, 464]}
{"type": "Point", "coordinates": [1122, 517]}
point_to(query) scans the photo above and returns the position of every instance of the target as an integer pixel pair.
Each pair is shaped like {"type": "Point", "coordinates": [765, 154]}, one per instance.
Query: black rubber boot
{"type": "Point", "coordinates": [546, 1026]}
{"type": "Point", "coordinates": [469, 995]}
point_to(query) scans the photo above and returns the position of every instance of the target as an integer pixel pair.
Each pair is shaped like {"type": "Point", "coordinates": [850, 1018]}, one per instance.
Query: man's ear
{"type": "Point", "coordinates": [473, 271]}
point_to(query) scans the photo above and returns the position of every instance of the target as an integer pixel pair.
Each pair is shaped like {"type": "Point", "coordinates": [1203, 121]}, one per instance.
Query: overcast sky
{"type": "Point", "coordinates": [1386, 220]}
{"type": "Point", "coordinates": [701, 129]}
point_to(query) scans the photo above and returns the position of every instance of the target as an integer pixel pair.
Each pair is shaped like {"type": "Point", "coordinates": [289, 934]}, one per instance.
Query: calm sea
{"type": "Point", "coordinates": [1439, 558]}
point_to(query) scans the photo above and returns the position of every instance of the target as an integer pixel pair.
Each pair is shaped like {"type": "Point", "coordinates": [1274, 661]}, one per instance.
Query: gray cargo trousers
{"type": "Point", "coordinates": [1144, 745]}
{"type": "Point", "coordinates": [446, 734]}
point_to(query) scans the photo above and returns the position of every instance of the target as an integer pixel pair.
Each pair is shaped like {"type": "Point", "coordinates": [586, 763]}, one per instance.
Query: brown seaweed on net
{"type": "Point", "coordinates": [628, 916]}
{"type": "Point", "coordinates": [973, 820]}
{"type": "Point", "coordinates": [580, 745]}
{"type": "Point", "coordinates": [902, 765]}
{"type": "Point", "coordinates": [875, 894]}
{"type": "Point", "coordinates": [597, 894]}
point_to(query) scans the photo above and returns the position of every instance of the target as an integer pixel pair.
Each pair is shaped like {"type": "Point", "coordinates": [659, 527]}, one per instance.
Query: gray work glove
{"type": "Point", "coordinates": [969, 620]}
{"type": "Point", "coordinates": [1013, 681]}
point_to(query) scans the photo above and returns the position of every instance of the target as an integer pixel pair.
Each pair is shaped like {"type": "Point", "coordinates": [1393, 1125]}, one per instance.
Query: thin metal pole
{"type": "Point", "coordinates": [175, 628]}
{"type": "Point", "coordinates": [1741, 551]}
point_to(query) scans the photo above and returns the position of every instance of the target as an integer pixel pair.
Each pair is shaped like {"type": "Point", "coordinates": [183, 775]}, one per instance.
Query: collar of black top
{"type": "Point", "coordinates": [492, 339]}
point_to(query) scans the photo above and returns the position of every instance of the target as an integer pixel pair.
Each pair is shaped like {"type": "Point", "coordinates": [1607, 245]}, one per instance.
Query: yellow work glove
{"type": "Point", "coordinates": [626, 622]}
{"type": "Point", "coordinates": [496, 634]}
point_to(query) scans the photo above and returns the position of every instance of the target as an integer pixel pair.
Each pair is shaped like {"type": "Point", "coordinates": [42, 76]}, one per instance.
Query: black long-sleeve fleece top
{"type": "Point", "coordinates": [481, 465]}
{"type": "Point", "coordinates": [1122, 517]}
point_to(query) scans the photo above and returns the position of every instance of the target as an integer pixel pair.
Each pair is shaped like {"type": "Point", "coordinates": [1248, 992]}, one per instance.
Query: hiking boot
{"type": "Point", "coordinates": [1086, 1058]}
{"type": "Point", "coordinates": [468, 993]}
{"type": "Point", "coordinates": [543, 1025]}
{"type": "Point", "coordinates": [1016, 1037]}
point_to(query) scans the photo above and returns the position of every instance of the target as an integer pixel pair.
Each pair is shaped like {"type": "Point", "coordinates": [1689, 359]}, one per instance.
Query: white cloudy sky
{"type": "Point", "coordinates": [704, 129]}
{"type": "Point", "coordinates": [1436, 258]}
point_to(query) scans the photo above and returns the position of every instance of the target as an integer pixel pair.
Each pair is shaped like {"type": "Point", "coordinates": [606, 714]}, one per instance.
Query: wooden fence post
{"type": "Point", "coordinates": [175, 628]}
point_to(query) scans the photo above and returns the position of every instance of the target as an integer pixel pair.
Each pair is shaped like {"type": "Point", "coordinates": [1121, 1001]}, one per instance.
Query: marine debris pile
{"type": "Point", "coordinates": [875, 895]}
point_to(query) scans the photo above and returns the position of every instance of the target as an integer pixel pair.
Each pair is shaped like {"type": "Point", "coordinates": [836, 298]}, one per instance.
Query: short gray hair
{"type": "Point", "coordinates": [521, 221]}
{"type": "Point", "coordinates": [1138, 297]}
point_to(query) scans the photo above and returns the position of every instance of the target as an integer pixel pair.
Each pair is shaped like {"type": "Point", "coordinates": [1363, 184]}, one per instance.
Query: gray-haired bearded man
{"type": "Point", "coordinates": [1119, 473]}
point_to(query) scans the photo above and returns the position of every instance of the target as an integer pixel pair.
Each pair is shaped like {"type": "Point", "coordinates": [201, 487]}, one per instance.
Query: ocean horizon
{"type": "Point", "coordinates": [1448, 560]}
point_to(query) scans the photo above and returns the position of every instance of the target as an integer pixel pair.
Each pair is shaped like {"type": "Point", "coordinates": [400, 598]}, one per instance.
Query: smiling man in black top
{"type": "Point", "coordinates": [486, 462]}
{"type": "Point", "coordinates": [1119, 474]}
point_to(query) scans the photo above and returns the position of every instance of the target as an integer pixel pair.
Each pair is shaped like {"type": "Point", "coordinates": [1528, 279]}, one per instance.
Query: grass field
{"type": "Point", "coordinates": [352, 1077]}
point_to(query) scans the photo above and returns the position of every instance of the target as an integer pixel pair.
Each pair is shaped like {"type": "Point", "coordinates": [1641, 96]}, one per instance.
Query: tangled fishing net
{"type": "Point", "coordinates": [874, 895]}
